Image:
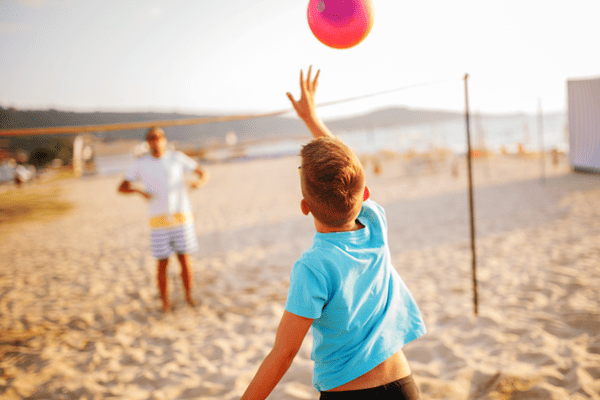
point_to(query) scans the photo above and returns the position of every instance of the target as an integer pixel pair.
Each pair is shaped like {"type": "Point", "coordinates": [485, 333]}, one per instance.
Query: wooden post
{"type": "Point", "coordinates": [471, 207]}
{"type": "Point", "coordinates": [78, 156]}
{"type": "Point", "coordinates": [541, 138]}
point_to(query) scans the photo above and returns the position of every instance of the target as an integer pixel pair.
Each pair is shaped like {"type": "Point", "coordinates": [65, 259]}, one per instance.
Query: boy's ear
{"type": "Point", "coordinates": [304, 207]}
{"type": "Point", "coordinates": [367, 194]}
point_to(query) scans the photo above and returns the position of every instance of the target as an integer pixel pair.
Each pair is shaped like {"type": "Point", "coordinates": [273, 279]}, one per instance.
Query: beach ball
{"type": "Point", "coordinates": [340, 23]}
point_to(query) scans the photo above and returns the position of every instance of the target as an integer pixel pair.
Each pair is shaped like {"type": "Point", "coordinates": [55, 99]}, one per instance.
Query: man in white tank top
{"type": "Point", "coordinates": [171, 221]}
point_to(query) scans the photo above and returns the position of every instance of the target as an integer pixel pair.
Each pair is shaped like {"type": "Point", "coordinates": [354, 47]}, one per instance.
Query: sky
{"type": "Point", "coordinates": [242, 56]}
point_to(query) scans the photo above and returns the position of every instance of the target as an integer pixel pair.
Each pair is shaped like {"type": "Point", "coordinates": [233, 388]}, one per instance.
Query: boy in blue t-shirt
{"type": "Point", "coordinates": [344, 286]}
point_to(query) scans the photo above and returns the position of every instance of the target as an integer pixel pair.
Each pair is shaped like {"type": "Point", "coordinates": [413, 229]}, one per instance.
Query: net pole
{"type": "Point", "coordinates": [541, 139]}
{"type": "Point", "coordinates": [471, 207]}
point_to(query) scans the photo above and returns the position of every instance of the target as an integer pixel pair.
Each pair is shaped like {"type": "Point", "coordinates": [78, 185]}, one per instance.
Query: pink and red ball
{"type": "Point", "coordinates": [340, 23]}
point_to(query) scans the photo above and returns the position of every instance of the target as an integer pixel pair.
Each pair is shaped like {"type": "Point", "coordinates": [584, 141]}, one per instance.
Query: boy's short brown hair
{"type": "Point", "coordinates": [332, 181]}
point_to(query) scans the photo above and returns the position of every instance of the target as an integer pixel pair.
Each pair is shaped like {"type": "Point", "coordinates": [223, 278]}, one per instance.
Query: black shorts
{"type": "Point", "coordinates": [402, 389]}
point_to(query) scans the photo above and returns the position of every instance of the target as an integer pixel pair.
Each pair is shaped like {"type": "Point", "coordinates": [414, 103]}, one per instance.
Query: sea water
{"type": "Point", "coordinates": [493, 133]}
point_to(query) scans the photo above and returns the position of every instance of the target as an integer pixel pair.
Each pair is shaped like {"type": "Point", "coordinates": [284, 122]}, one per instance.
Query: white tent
{"type": "Point", "coordinates": [584, 123]}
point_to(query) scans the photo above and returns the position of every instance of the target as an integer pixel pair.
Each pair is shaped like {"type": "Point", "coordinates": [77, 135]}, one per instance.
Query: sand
{"type": "Point", "coordinates": [80, 314]}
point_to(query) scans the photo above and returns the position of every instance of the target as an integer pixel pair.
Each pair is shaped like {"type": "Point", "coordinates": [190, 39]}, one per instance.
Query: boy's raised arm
{"type": "Point", "coordinates": [305, 107]}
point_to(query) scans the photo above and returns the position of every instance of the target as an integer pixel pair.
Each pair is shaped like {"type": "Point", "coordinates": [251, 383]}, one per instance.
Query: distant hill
{"type": "Point", "coordinates": [390, 117]}
{"type": "Point", "coordinates": [250, 129]}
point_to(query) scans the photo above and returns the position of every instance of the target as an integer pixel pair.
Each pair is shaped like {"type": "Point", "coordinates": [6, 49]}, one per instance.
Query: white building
{"type": "Point", "coordinates": [584, 123]}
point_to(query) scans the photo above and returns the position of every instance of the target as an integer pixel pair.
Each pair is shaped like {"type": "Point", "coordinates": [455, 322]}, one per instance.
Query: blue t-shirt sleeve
{"type": "Point", "coordinates": [374, 212]}
{"type": "Point", "coordinates": [308, 292]}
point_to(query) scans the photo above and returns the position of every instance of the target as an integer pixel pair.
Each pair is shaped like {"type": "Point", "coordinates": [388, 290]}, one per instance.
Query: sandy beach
{"type": "Point", "coordinates": [80, 314]}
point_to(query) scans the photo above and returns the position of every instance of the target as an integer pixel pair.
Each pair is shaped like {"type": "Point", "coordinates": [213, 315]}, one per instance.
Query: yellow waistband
{"type": "Point", "coordinates": [163, 221]}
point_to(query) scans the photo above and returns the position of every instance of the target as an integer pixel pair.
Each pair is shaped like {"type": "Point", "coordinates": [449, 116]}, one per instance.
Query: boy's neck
{"type": "Point", "coordinates": [353, 225]}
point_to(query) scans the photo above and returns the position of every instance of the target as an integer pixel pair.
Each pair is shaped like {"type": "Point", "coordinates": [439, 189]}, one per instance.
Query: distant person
{"type": "Point", "coordinates": [171, 220]}
{"type": "Point", "coordinates": [22, 175]}
{"type": "Point", "coordinates": [344, 286]}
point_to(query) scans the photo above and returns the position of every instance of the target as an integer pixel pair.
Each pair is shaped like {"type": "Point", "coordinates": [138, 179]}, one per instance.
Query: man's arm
{"type": "Point", "coordinates": [306, 108]}
{"type": "Point", "coordinates": [290, 334]}
{"type": "Point", "coordinates": [125, 187]}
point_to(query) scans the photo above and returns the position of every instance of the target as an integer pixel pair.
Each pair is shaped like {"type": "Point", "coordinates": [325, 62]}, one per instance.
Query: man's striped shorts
{"type": "Point", "coordinates": [181, 239]}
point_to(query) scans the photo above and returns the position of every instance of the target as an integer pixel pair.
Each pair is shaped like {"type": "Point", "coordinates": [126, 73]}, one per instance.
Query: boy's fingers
{"type": "Point", "coordinates": [294, 103]}
{"type": "Point", "coordinates": [316, 81]}
{"type": "Point", "coordinates": [289, 95]}
{"type": "Point", "coordinates": [309, 73]}
{"type": "Point", "coordinates": [303, 86]}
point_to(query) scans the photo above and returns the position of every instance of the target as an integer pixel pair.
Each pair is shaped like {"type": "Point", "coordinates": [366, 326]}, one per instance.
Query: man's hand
{"type": "Point", "coordinates": [125, 187]}
{"type": "Point", "coordinates": [203, 178]}
{"type": "Point", "coordinates": [197, 184]}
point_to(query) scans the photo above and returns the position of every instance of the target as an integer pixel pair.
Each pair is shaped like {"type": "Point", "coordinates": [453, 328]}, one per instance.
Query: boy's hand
{"type": "Point", "coordinates": [305, 107]}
